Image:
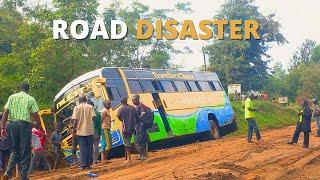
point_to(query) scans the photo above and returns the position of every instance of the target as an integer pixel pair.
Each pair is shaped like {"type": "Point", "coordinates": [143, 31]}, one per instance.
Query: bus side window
{"type": "Point", "coordinates": [192, 86]}
{"type": "Point", "coordinates": [167, 86]}
{"type": "Point", "coordinates": [217, 85]}
{"type": "Point", "coordinates": [157, 86]}
{"type": "Point", "coordinates": [205, 86]}
{"type": "Point", "coordinates": [148, 86]}
{"type": "Point", "coordinates": [180, 86]}
{"type": "Point", "coordinates": [135, 86]}
{"type": "Point", "coordinates": [114, 96]}
{"type": "Point", "coordinates": [212, 86]}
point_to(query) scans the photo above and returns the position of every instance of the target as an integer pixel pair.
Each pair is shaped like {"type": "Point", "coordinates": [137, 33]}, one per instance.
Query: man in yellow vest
{"type": "Point", "coordinates": [249, 112]}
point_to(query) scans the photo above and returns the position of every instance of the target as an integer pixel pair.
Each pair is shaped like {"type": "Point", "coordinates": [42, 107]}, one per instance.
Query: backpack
{"type": "Point", "coordinates": [148, 118]}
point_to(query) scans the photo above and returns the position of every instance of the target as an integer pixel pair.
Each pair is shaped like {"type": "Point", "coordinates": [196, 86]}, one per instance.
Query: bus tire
{"type": "Point", "coordinates": [214, 132]}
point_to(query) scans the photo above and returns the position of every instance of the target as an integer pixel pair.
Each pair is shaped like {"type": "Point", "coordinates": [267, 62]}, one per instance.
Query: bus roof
{"type": "Point", "coordinates": [203, 75]}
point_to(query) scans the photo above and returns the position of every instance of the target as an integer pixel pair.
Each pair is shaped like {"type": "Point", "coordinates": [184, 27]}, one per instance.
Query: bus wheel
{"type": "Point", "coordinates": [214, 132]}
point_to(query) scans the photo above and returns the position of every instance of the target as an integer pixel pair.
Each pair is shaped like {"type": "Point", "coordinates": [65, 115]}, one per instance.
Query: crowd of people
{"type": "Point", "coordinates": [23, 141]}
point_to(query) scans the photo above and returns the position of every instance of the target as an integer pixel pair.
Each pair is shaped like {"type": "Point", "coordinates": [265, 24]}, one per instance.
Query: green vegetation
{"type": "Point", "coordinates": [270, 117]}
{"type": "Point", "coordinates": [302, 80]}
{"type": "Point", "coordinates": [28, 52]}
{"type": "Point", "coordinates": [244, 62]}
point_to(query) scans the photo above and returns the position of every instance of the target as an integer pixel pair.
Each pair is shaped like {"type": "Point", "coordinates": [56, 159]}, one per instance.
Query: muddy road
{"type": "Point", "coordinates": [226, 158]}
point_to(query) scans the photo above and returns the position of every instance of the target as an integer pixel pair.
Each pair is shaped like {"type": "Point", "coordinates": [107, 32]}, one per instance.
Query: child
{"type": "Point", "coordinates": [38, 142]}
{"type": "Point", "coordinates": [56, 146]}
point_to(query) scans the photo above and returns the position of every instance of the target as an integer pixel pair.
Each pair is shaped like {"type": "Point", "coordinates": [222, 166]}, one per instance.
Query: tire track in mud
{"type": "Point", "coordinates": [226, 158]}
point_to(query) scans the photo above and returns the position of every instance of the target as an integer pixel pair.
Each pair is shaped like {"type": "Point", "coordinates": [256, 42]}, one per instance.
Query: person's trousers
{"type": "Point", "coordinates": [20, 134]}
{"type": "Point", "coordinates": [39, 157]}
{"type": "Point", "coordinates": [57, 151]}
{"type": "Point", "coordinates": [74, 144]}
{"type": "Point", "coordinates": [253, 126]}
{"type": "Point", "coordinates": [4, 158]}
{"type": "Point", "coordinates": [317, 119]}
{"type": "Point", "coordinates": [86, 149]}
{"type": "Point", "coordinates": [297, 134]}
{"type": "Point", "coordinates": [106, 143]}
{"type": "Point", "coordinates": [142, 136]}
{"type": "Point", "coordinates": [96, 149]}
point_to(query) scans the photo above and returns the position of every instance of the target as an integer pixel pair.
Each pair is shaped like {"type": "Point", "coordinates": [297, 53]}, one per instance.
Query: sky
{"type": "Point", "coordinates": [300, 20]}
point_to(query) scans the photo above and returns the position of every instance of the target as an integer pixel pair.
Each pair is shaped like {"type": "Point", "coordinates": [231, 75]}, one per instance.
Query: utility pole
{"type": "Point", "coordinates": [204, 58]}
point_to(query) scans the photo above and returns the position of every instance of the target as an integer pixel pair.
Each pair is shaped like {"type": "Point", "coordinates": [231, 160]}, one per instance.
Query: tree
{"type": "Point", "coordinates": [315, 57]}
{"type": "Point", "coordinates": [244, 62]}
{"type": "Point", "coordinates": [303, 54]}
{"type": "Point", "coordinates": [277, 84]}
{"type": "Point", "coordinates": [302, 80]}
{"type": "Point", "coordinates": [28, 52]}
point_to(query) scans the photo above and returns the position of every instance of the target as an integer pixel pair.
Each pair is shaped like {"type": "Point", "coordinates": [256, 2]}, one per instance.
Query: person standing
{"type": "Point", "coordinates": [250, 117]}
{"type": "Point", "coordinates": [74, 147]}
{"type": "Point", "coordinates": [127, 114]}
{"type": "Point", "coordinates": [56, 146]}
{"type": "Point", "coordinates": [97, 133]}
{"type": "Point", "coordinates": [303, 125]}
{"type": "Point", "coordinates": [19, 109]}
{"type": "Point", "coordinates": [141, 128]}
{"type": "Point", "coordinates": [5, 149]}
{"type": "Point", "coordinates": [106, 126]}
{"type": "Point", "coordinates": [83, 118]}
{"type": "Point", "coordinates": [316, 115]}
{"type": "Point", "coordinates": [38, 142]}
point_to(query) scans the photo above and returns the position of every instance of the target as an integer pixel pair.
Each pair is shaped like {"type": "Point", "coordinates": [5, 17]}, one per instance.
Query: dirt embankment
{"type": "Point", "coordinates": [226, 158]}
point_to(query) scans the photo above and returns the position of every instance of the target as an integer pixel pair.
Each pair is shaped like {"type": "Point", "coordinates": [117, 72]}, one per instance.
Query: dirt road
{"type": "Point", "coordinates": [226, 158]}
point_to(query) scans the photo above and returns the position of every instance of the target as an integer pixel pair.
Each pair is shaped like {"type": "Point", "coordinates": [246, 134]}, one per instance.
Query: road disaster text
{"type": "Point", "coordinates": [169, 30]}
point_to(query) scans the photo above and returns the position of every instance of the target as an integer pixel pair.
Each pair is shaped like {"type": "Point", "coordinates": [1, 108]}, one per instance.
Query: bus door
{"type": "Point", "coordinates": [173, 107]}
{"type": "Point", "coordinates": [159, 105]}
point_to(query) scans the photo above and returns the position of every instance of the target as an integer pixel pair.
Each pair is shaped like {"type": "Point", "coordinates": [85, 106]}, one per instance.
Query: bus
{"type": "Point", "coordinates": [183, 102]}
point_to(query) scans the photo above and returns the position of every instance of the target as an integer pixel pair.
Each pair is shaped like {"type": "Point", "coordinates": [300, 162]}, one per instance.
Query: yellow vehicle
{"type": "Point", "coordinates": [183, 102]}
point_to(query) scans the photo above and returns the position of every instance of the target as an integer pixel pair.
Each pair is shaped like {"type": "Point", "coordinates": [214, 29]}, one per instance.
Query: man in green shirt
{"type": "Point", "coordinates": [249, 113]}
{"type": "Point", "coordinates": [19, 109]}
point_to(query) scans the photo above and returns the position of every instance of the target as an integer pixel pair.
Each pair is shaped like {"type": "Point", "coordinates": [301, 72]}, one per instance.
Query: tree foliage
{"type": "Point", "coordinates": [303, 54]}
{"type": "Point", "coordinates": [29, 53]}
{"type": "Point", "coordinates": [244, 62]}
{"type": "Point", "coordinates": [302, 79]}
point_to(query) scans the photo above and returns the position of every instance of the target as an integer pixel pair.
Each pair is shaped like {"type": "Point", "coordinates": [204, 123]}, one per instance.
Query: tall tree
{"type": "Point", "coordinates": [244, 62]}
{"type": "Point", "coordinates": [303, 54]}
{"type": "Point", "coordinates": [28, 52]}
{"type": "Point", "coordinates": [315, 57]}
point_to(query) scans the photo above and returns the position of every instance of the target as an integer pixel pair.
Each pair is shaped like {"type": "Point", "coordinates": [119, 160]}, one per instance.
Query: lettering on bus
{"type": "Point", "coordinates": [169, 75]}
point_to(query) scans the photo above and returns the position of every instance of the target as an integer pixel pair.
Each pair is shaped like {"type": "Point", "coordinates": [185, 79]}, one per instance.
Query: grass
{"type": "Point", "coordinates": [271, 116]}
